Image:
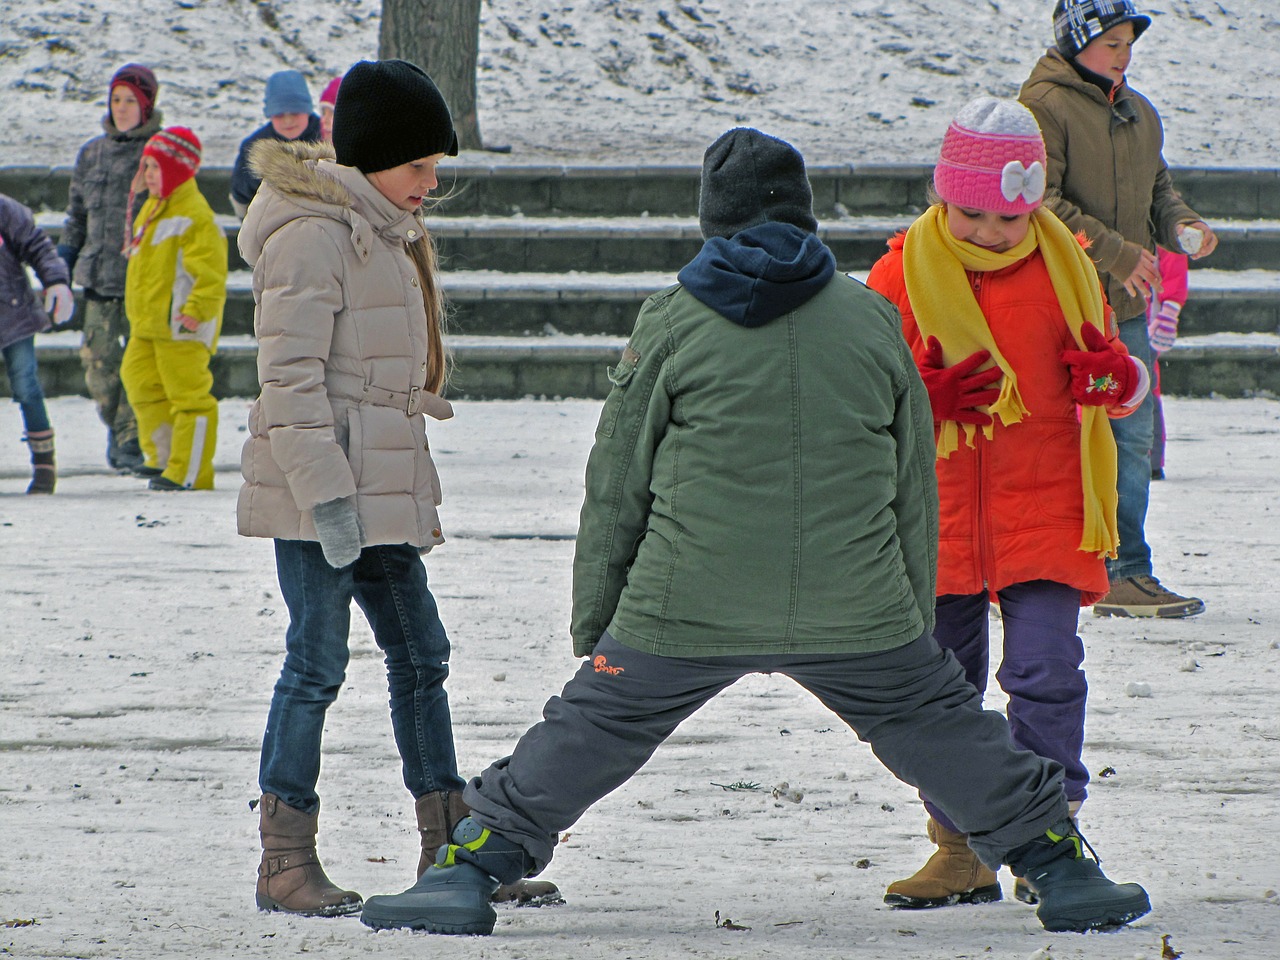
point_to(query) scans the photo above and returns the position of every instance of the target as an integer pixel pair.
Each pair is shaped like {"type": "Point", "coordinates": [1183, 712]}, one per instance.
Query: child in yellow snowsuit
{"type": "Point", "coordinates": [175, 289]}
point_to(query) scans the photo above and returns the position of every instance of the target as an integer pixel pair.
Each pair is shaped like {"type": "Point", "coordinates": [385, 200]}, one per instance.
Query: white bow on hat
{"type": "Point", "coordinates": [1027, 182]}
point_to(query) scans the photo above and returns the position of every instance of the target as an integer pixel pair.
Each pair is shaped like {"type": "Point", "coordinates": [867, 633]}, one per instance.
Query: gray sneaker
{"type": "Point", "coordinates": [1143, 596]}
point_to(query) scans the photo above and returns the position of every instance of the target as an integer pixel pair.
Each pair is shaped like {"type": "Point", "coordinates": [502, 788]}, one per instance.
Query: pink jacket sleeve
{"type": "Point", "coordinates": [1173, 276]}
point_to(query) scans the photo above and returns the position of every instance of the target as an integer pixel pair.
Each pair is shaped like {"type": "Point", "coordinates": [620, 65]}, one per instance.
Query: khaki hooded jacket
{"type": "Point", "coordinates": [1107, 176]}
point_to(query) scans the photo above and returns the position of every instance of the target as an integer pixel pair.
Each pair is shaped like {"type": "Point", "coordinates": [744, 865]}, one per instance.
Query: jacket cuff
{"type": "Point", "coordinates": [1141, 385]}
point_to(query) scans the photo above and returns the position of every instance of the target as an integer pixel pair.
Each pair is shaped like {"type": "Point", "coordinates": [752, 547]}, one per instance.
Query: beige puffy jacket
{"type": "Point", "coordinates": [342, 355]}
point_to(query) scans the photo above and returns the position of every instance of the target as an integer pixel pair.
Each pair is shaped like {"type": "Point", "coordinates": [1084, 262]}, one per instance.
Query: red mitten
{"type": "Point", "coordinates": [1099, 374]}
{"type": "Point", "coordinates": [955, 392]}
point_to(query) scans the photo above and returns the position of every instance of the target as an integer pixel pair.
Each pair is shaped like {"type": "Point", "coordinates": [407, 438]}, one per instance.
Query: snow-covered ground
{"type": "Point", "coordinates": [642, 81]}
{"type": "Point", "coordinates": [140, 637]}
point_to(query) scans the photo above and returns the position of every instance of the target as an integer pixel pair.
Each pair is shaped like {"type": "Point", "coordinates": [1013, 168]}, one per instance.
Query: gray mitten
{"type": "Point", "coordinates": [338, 527]}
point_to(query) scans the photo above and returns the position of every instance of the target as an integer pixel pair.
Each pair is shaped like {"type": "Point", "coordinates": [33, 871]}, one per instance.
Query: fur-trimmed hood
{"type": "Point", "coordinates": [301, 179]}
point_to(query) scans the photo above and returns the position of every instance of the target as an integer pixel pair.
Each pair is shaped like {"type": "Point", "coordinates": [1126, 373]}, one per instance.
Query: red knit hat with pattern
{"type": "Point", "coordinates": [177, 151]}
{"type": "Point", "coordinates": [993, 158]}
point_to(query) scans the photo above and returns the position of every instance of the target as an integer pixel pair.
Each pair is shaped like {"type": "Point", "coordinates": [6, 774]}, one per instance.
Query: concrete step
{"type": "Point", "coordinates": [492, 302]}
{"type": "Point", "coordinates": [486, 302]}
{"type": "Point", "coordinates": [621, 244]}
{"type": "Point", "coordinates": [505, 189]}
{"type": "Point", "coordinates": [1227, 365]}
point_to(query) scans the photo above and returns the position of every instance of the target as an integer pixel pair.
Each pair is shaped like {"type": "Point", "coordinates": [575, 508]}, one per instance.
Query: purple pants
{"type": "Point", "coordinates": [1040, 671]}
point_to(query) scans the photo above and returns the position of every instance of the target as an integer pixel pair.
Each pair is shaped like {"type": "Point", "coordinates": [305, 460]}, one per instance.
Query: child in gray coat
{"type": "Point", "coordinates": [93, 241]}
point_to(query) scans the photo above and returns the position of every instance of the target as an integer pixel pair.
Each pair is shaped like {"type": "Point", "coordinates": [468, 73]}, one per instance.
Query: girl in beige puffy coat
{"type": "Point", "coordinates": [337, 468]}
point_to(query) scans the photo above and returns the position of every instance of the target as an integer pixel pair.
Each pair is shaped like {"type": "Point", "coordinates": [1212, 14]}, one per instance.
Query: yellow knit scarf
{"type": "Point", "coordinates": [934, 265]}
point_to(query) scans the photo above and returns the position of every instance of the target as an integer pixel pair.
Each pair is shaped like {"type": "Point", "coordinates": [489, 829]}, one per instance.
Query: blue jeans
{"type": "Point", "coordinates": [389, 583]}
{"type": "Point", "coordinates": [1134, 436]}
{"type": "Point", "coordinates": [24, 382]}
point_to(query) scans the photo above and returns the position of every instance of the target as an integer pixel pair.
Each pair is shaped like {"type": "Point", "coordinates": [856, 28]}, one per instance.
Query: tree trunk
{"type": "Point", "coordinates": [442, 37]}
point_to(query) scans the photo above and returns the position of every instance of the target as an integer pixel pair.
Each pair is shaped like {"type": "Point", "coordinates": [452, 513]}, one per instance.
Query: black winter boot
{"type": "Point", "coordinates": [452, 895]}
{"type": "Point", "coordinates": [44, 466]}
{"type": "Point", "coordinates": [1074, 893]}
{"type": "Point", "coordinates": [438, 813]}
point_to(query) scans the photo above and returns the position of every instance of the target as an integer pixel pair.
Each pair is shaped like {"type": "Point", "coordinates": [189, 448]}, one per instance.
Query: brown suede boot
{"type": "Point", "coordinates": [954, 874]}
{"type": "Point", "coordinates": [290, 877]}
{"type": "Point", "coordinates": [44, 464]}
{"type": "Point", "coordinates": [438, 813]}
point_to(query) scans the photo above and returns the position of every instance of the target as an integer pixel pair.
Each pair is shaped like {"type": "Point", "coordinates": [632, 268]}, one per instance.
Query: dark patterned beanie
{"type": "Point", "coordinates": [1077, 23]}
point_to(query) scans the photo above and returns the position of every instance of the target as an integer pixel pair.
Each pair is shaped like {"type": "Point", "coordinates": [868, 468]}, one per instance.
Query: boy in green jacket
{"type": "Point", "coordinates": [761, 498]}
{"type": "Point", "coordinates": [1107, 179]}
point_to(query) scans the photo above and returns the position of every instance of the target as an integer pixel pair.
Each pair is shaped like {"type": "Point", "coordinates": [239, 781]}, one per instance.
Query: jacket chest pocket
{"type": "Point", "coordinates": [620, 376]}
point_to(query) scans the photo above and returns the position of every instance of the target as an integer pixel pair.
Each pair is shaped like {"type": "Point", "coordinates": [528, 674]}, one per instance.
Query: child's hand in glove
{"type": "Point", "coordinates": [1162, 331]}
{"type": "Point", "coordinates": [338, 527]}
{"type": "Point", "coordinates": [1099, 374]}
{"type": "Point", "coordinates": [59, 303]}
{"type": "Point", "coordinates": [955, 392]}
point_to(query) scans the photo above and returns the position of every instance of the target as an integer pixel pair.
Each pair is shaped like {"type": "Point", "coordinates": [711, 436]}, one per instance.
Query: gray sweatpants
{"type": "Point", "coordinates": [912, 704]}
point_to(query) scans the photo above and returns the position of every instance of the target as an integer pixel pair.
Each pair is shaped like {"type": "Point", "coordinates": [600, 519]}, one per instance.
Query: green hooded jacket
{"type": "Point", "coordinates": [762, 479]}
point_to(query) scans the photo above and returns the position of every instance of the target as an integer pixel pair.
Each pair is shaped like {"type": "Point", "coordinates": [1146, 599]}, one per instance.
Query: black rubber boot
{"type": "Point", "coordinates": [452, 895]}
{"type": "Point", "coordinates": [1074, 894]}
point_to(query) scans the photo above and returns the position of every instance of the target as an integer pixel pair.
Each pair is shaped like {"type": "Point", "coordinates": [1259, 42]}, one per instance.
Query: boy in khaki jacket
{"type": "Point", "coordinates": [1108, 179]}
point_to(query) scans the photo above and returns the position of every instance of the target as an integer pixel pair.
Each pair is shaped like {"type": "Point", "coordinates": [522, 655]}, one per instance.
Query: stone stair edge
{"type": "Point", "coordinates": [605, 170]}
{"type": "Point", "coordinates": [663, 227]}
{"type": "Point", "coordinates": [485, 284]}
{"type": "Point", "coordinates": [1259, 346]}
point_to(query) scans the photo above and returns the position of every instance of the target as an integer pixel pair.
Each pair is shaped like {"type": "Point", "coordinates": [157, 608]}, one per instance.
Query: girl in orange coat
{"type": "Point", "coordinates": [1004, 314]}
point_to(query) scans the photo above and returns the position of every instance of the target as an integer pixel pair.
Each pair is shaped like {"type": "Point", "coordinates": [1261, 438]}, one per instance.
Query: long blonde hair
{"type": "Point", "coordinates": [423, 254]}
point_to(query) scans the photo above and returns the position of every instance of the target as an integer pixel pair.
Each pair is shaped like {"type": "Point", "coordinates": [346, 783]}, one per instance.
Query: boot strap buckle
{"type": "Point", "coordinates": [271, 866]}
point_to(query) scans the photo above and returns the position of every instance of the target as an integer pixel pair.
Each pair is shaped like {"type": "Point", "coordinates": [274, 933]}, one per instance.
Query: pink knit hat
{"type": "Point", "coordinates": [330, 95]}
{"type": "Point", "coordinates": [993, 158]}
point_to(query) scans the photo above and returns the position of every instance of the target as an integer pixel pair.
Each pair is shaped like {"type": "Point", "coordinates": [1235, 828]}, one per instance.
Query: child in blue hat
{"type": "Point", "coordinates": [290, 115]}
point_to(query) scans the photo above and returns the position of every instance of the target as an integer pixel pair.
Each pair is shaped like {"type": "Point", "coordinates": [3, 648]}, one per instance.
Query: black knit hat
{"type": "Point", "coordinates": [389, 112]}
{"type": "Point", "coordinates": [1077, 23]}
{"type": "Point", "coordinates": [749, 178]}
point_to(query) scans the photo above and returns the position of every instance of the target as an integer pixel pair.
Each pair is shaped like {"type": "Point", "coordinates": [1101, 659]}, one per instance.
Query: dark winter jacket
{"type": "Point", "coordinates": [23, 243]}
{"type": "Point", "coordinates": [93, 233]}
{"type": "Point", "coordinates": [1106, 175]}
{"type": "Point", "coordinates": [762, 476]}
{"type": "Point", "coordinates": [244, 182]}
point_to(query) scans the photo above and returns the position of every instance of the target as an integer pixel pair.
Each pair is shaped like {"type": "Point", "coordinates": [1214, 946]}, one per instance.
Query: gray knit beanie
{"type": "Point", "coordinates": [749, 178]}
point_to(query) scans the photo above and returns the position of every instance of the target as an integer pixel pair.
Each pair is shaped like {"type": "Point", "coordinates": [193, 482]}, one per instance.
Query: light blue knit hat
{"type": "Point", "coordinates": [286, 93]}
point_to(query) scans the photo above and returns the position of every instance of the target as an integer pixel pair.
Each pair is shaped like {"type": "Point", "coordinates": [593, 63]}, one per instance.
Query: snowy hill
{"type": "Point", "coordinates": [642, 81]}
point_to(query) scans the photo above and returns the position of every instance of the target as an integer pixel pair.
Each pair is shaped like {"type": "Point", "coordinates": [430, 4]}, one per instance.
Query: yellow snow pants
{"type": "Point", "coordinates": [170, 389]}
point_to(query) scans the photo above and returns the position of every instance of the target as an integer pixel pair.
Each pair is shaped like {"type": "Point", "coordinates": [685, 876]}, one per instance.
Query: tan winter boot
{"type": "Point", "coordinates": [953, 875]}
{"type": "Point", "coordinates": [44, 466]}
{"type": "Point", "coordinates": [438, 813]}
{"type": "Point", "coordinates": [290, 877]}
